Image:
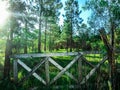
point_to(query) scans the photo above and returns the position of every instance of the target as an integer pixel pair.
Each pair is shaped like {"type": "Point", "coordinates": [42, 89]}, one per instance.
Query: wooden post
{"type": "Point", "coordinates": [79, 70]}
{"type": "Point", "coordinates": [47, 72]}
{"type": "Point", "coordinates": [8, 52]}
{"type": "Point", "coordinates": [15, 70]}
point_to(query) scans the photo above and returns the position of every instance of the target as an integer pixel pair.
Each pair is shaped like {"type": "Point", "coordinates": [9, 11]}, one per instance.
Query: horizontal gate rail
{"type": "Point", "coordinates": [52, 54]}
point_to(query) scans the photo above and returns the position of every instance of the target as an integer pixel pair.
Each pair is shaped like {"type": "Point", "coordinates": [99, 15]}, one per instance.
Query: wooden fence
{"type": "Point", "coordinates": [79, 58]}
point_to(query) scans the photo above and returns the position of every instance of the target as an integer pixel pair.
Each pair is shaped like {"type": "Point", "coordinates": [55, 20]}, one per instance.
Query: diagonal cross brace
{"type": "Point", "coordinates": [36, 67]}
{"type": "Point", "coordinates": [61, 68]}
{"type": "Point", "coordinates": [93, 70]}
{"type": "Point", "coordinates": [29, 70]}
{"type": "Point", "coordinates": [65, 69]}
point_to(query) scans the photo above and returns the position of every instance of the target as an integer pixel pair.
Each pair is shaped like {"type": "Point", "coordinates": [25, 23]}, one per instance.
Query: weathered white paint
{"type": "Point", "coordinates": [29, 69]}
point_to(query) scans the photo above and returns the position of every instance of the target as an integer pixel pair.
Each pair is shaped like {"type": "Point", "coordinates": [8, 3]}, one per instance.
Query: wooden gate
{"type": "Point", "coordinates": [79, 58]}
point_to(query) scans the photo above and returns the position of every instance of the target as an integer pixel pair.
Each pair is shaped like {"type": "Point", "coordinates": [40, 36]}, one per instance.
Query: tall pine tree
{"type": "Point", "coordinates": [72, 18]}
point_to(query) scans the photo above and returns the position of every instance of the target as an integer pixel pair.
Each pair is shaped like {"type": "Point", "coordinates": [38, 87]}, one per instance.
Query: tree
{"type": "Point", "coordinates": [40, 24]}
{"type": "Point", "coordinates": [72, 16]}
{"type": "Point", "coordinates": [106, 14]}
{"type": "Point", "coordinates": [12, 29]}
{"type": "Point", "coordinates": [84, 35]}
{"type": "Point", "coordinates": [18, 10]}
{"type": "Point", "coordinates": [65, 35]}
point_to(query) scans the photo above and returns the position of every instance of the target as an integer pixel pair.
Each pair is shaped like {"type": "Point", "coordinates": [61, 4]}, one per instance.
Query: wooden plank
{"type": "Point", "coordinates": [79, 70]}
{"type": "Point", "coordinates": [15, 70]}
{"type": "Point", "coordinates": [93, 70]}
{"type": "Point", "coordinates": [43, 55]}
{"type": "Point", "coordinates": [61, 68]}
{"type": "Point", "coordinates": [29, 69]}
{"type": "Point", "coordinates": [65, 69]}
{"type": "Point", "coordinates": [33, 70]}
{"type": "Point", "coordinates": [51, 54]}
{"type": "Point", "coordinates": [47, 72]}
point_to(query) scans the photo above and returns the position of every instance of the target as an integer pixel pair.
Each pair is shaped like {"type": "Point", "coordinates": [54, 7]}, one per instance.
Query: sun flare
{"type": "Point", "coordinates": [3, 12]}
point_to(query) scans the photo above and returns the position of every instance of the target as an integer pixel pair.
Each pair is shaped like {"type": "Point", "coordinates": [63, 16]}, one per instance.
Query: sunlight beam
{"type": "Point", "coordinates": [4, 14]}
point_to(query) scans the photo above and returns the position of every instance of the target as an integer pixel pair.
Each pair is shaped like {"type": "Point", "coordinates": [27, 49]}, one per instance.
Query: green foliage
{"type": "Point", "coordinates": [103, 12]}
{"type": "Point", "coordinates": [72, 21]}
{"type": "Point", "coordinates": [6, 84]}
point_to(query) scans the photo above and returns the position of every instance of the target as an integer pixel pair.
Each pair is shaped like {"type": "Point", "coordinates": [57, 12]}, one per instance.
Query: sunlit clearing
{"type": "Point", "coordinates": [3, 12]}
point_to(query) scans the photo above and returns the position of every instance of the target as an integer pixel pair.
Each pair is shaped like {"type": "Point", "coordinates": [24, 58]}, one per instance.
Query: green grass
{"type": "Point", "coordinates": [60, 50]}
{"type": "Point", "coordinates": [2, 59]}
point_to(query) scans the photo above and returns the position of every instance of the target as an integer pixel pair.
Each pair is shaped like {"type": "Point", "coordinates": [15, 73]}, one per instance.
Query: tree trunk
{"type": "Point", "coordinates": [71, 42]}
{"type": "Point", "coordinates": [26, 28]}
{"type": "Point", "coordinates": [45, 33]}
{"type": "Point", "coordinates": [112, 73]}
{"type": "Point", "coordinates": [111, 59]}
{"type": "Point", "coordinates": [71, 38]}
{"type": "Point", "coordinates": [50, 42]}
{"type": "Point", "coordinates": [39, 35]}
{"type": "Point", "coordinates": [8, 52]}
{"type": "Point", "coordinates": [25, 49]}
{"type": "Point", "coordinates": [67, 45]}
